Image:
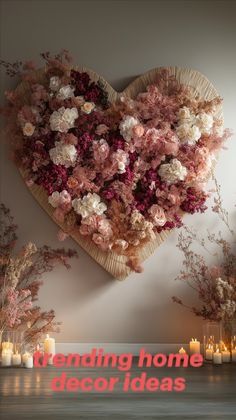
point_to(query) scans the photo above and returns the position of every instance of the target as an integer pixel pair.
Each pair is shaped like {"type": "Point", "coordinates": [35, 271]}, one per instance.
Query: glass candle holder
{"type": "Point", "coordinates": [6, 348]}
{"type": "Point", "coordinates": [212, 335]}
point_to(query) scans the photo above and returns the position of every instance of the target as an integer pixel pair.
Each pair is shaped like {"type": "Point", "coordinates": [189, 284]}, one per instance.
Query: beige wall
{"type": "Point", "coordinates": [121, 39]}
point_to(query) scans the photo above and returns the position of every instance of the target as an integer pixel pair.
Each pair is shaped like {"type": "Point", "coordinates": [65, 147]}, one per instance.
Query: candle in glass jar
{"type": "Point", "coordinates": [6, 357]}
{"type": "Point", "coordinates": [225, 355]}
{"type": "Point", "coordinates": [209, 353]}
{"type": "Point", "coordinates": [49, 347]}
{"type": "Point", "coordinates": [194, 346]}
{"type": "Point", "coordinates": [16, 359]}
{"type": "Point", "coordinates": [217, 357]}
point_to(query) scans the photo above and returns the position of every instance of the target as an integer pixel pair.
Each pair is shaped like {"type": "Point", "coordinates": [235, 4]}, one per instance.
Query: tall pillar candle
{"type": "Point", "coordinates": [49, 347]}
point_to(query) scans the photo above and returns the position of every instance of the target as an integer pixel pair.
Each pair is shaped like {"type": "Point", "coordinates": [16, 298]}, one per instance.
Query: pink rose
{"type": "Point", "coordinates": [101, 242]}
{"type": "Point", "coordinates": [157, 215]}
{"type": "Point", "coordinates": [104, 228]}
{"type": "Point", "coordinates": [101, 129]}
{"type": "Point", "coordinates": [138, 130]}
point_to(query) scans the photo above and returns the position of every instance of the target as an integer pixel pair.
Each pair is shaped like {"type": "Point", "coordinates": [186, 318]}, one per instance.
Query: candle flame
{"type": "Point", "coordinates": [217, 350]}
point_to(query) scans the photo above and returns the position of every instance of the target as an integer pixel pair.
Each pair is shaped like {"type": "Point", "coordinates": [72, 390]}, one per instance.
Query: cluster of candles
{"type": "Point", "coordinates": [215, 353]}
{"type": "Point", "coordinates": [11, 358]}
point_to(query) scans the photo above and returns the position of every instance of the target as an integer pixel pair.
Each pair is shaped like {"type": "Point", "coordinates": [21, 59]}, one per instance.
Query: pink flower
{"type": "Point", "coordinates": [101, 129]}
{"type": "Point", "coordinates": [100, 151]}
{"type": "Point", "coordinates": [138, 130]}
{"type": "Point", "coordinates": [104, 228]}
{"type": "Point", "coordinates": [157, 215]}
{"type": "Point", "coordinates": [102, 242]}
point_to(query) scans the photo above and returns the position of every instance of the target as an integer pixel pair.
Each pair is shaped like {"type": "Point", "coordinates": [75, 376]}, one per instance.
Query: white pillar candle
{"type": "Point", "coordinates": [209, 353]}
{"type": "Point", "coordinates": [29, 362]}
{"type": "Point", "coordinates": [234, 355]}
{"type": "Point", "coordinates": [194, 346]}
{"type": "Point", "coordinates": [6, 357]}
{"type": "Point", "coordinates": [217, 357]}
{"type": "Point", "coordinates": [16, 359]}
{"type": "Point", "coordinates": [49, 347]}
{"type": "Point", "coordinates": [25, 357]}
{"type": "Point", "coordinates": [225, 356]}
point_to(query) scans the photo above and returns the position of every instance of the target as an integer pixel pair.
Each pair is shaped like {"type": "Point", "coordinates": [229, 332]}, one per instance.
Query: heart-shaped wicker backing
{"type": "Point", "coordinates": [111, 262]}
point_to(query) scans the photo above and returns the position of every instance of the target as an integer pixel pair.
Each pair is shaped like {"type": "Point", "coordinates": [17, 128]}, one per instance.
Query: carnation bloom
{"type": "Point", "coordinates": [188, 133]}
{"type": "Point", "coordinates": [127, 125]}
{"type": "Point", "coordinates": [172, 172]}
{"type": "Point", "coordinates": [28, 129]}
{"type": "Point", "coordinates": [88, 205]}
{"type": "Point", "coordinates": [65, 92]}
{"type": "Point", "coordinates": [63, 154]}
{"type": "Point", "coordinates": [204, 122]}
{"type": "Point", "coordinates": [59, 199]}
{"type": "Point", "coordinates": [63, 119]}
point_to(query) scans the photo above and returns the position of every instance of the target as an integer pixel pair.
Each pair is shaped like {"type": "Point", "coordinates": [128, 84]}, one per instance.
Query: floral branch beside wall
{"type": "Point", "coordinates": [20, 281]}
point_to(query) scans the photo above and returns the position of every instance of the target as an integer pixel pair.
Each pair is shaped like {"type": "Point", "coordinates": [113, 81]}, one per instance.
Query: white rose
{"type": "Point", "coordinates": [126, 127]}
{"type": "Point", "coordinates": [65, 92]}
{"type": "Point", "coordinates": [172, 172]}
{"type": "Point", "coordinates": [205, 122]}
{"type": "Point", "coordinates": [63, 119]}
{"type": "Point", "coordinates": [54, 83]}
{"type": "Point", "coordinates": [63, 154]}
{"type": "Point", "coordinates": [88, 205]}
{"type": "Point", "coordinates": [54, 199]}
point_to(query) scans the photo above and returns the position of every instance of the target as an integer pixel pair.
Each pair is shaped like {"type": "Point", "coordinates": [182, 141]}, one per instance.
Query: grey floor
{"type": "Point", "coordinates": [210, 394]}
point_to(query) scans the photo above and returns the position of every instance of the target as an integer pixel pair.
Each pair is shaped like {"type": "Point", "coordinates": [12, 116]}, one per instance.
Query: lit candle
{"type": "Point", "coordinates": [16, 359]}
{"type": "Point", "coordinates": [6, 357]}
{"type": "Point", "coordinates": [29, 363]}
{"type": "Point", "coordinates": [182, 351]}
{"type": "Point", "coordinates": [217, 357]}
{"type": "Point", "coordinates": [209, 352]}
{"type": "Point", "coordinates": [7, 345]}
{"type": "Point", "coordinates": [194, 346]}
{"type": "Point", "coordinates": [225, 355]}
{"type": "Point", "coordinates": [25, 357]}
{"type": "Point", "coordinates": [234, 355]}
{"type": "Point", "coordinates": [49, 347]}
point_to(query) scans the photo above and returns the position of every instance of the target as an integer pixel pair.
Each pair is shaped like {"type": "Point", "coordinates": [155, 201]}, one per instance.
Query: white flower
{"type": "Point", "coordinates": [58, 198]}
{"type": "Point", "coordinates": [184, 114]}
{"type": "Point", "coordinates": [87, 107]}
{"type": "Point", "coordinates": [28, 129]}
{"type": "Point", "coordinates": [188, 133]}
{"type": "Point", "coordinates": [122, 159]}
{"type": "Point", "coordinates": [63, 119]}
{"type": "Point", "coordinates": [65, 92]}
{"type": "Point", "coordinates": [88, 205]}
{"type": "Point", "coordinates": [172, 172]}
{"type": "Point", "coordinates": [126, 127]}
{"type": "Point", "coordinates": [54, 83]}
{"type": "Point", "coordinates": [204, 122]}
{"type": "Point", "coordinates": [63, 154]}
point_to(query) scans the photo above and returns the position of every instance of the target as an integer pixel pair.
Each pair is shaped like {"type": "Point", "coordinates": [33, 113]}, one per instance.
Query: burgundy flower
{"type": "Point", "coordinates": [194, 201]}
{"type": "Point", "coordinates": [53, 177]}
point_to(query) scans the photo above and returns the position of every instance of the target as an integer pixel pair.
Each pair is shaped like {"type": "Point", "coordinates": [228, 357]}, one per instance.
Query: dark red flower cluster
{"type": "Point", "coordinates": [194, 201]}
{"type": "Point", "coordinates": [92, 92]}
{"type": "Point", "coordinates": [52, 177]}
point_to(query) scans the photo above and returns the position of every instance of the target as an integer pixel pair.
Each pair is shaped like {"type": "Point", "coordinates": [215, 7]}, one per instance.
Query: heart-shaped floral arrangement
{"type": "Point", "coordinates": [115, 171]}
